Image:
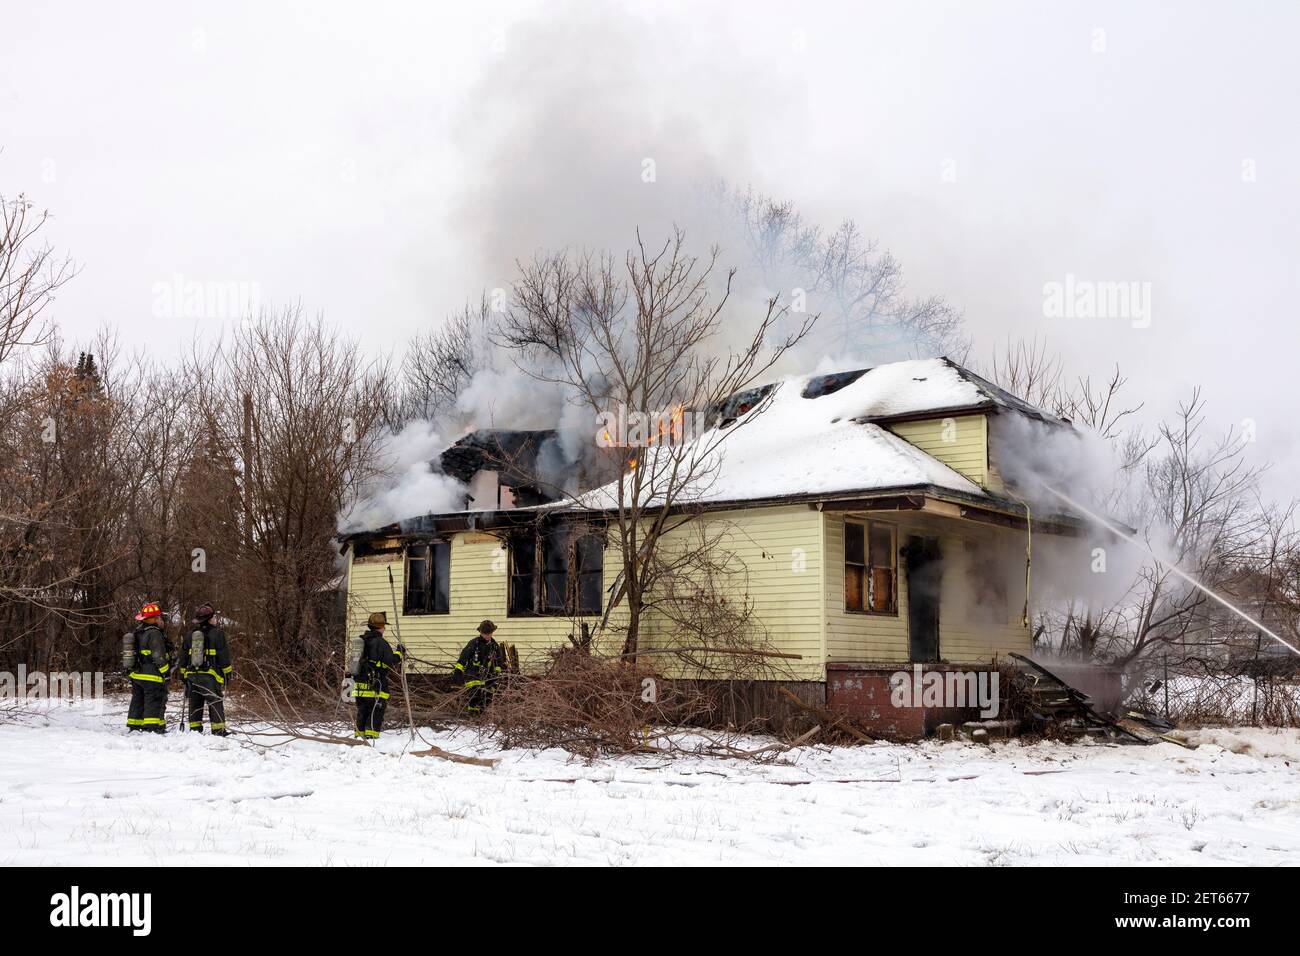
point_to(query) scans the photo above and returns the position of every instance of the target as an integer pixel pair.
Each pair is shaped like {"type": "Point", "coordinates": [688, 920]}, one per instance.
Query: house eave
{"type": "Point", "coordinates": [444, 523]}
{"type": "Point", "coordinates": [987, 508]}
{"type": "Point", "coordinates": [928, 415]}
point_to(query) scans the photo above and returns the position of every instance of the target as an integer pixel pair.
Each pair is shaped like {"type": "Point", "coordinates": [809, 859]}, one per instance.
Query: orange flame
{"type": "Point", "coordinates": [669, 428]}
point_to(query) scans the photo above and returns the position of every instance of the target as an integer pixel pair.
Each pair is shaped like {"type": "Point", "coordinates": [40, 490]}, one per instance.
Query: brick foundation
{"type": "Point", "coordinates": [863, 692]}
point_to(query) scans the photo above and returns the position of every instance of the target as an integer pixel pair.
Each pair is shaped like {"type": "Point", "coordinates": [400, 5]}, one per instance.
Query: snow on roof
{"type": "Point", "coordinates": [905, 388]}
{"type": "Point", "coordinates": [826, 444]}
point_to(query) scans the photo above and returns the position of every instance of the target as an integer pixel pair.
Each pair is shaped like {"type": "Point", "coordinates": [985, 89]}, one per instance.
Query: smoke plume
{"type": "Point", "coordinates": [562, 159]}
{"type": "Point", "coordinates": [412, 487]}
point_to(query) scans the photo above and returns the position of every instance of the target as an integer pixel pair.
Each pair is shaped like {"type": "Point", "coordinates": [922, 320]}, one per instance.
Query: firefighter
{"type": "Point", "coordinates": [205, 668]}
{"type": "Point", "coordinates": [149, 672]}
{"type": "Point", "coordinates": [378, 659]}
{"type": "Point", "coordinates": [481, 663]}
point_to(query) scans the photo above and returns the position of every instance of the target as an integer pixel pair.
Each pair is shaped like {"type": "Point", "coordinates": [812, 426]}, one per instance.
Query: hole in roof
{"type": "Point", "coordinates": [732, 407]}
{"type": "Point", "coordinates": [827, 384]}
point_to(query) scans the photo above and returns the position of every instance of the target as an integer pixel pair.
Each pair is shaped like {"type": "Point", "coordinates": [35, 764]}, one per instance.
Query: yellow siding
{"type": "Point", "coordinates": [853, 635]}
{"type": "Point", "coordinates": [969, 630]}
{"type": "Point", "coordinates": [478, 591]}
{"type": "Point", "coordinates": [789, 564]}
{"type": "Point", "coordinates": [778, 569]}
{"type": "Point", "coordinates": [778, 566]}
{"type": "Point", "coordinates": [995, 482]}
{"type": "Point", "coordinates": [960, 442]}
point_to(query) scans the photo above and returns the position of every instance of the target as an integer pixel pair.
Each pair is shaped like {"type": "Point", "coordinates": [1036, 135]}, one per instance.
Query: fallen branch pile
{"type": "Point", "coordinates": [584, 704]}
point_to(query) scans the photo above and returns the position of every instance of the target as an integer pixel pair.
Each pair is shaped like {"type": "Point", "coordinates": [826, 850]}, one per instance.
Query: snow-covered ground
{"type": "Point", "coordinates": [75, 789]}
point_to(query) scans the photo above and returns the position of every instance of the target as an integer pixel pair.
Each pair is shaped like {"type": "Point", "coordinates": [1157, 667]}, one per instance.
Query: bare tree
{"type": "Point", "coordinates": [643, 335]}
{"type": "Point", "coordinates": [1201, 498]}
{"type": "Point", "coordinates": [1194, 501]}
{"type": "Point", "coordinates": [1027, 369]}
{"type": "Point", "coordinates": [850, 280]}
{"type": "Point", "coordinates": [30, 275]}
{"type": "Point", "coordinates": [1030, 371]}
{"type": "Point", "coordinates": [440, 362]}
{"type": "Point", "coordinates": [315, 410]}
{"type": "Point", "coordinates": [85, 476]}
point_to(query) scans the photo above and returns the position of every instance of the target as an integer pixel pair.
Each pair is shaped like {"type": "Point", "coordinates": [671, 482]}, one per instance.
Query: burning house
{"type": "Point", "coordinates": [870, 519]}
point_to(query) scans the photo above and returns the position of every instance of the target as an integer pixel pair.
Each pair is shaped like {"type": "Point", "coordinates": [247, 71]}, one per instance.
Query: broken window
{"type": "Point", "coordinates": [870, 567]}
{"type": "Point", "coordinates": [555, 570]}
{"type": "Point", "coordinates": [589, 565]}
{"type": "Point", "coordinates": [427, 588]}
{"type": "Point", "coordinates": [523, 566]}
{"type": "Point", "coordinates": [560, 570]}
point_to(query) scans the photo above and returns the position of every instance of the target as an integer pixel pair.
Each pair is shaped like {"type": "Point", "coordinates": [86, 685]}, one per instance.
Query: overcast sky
{"type": "Point", "coordinates": [386, 162]}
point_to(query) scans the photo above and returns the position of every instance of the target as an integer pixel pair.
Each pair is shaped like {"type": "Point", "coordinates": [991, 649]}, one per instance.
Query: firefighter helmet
{"type": "Point", "coordinates": [148, 611]}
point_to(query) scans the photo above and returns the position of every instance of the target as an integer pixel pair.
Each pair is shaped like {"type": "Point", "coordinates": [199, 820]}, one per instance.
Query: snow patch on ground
{"type": "Point", "coordinates": [76, 789]}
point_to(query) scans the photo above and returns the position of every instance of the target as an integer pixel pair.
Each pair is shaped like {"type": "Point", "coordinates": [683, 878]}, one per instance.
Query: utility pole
{"type": "Point", "coordinates": [248, 470]}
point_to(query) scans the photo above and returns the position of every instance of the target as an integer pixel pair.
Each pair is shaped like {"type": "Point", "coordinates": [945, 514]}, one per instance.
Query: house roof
{"type": "Point", "coordinates": [824, 435]}
{"type": "Point", "coordinates": [921, 387]}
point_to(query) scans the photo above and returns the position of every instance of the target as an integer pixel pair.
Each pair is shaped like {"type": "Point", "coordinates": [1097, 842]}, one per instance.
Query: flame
{"type": "Point", "coordinates": [669, 429]}
{"type": "Point", "coordinates": [679, 416]}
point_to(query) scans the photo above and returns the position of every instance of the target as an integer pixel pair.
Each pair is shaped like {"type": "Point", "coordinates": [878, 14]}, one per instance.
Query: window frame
{"type": "Point", "coordinates": [540, 575]}
{"type": "Point", "coordinates": [515, 544]}
{"type": "Point", "coordinates": [436, 559]}
{"type": "Point", "coordinates": [867, 584]}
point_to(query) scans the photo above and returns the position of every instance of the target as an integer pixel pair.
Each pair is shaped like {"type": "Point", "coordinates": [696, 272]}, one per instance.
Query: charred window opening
{"type": "Point", "coordinates": [829, 384]}
{"type": "Point", "coordinates": [557, 571]}
{"type": "Point", "coordinates": [382, 551]}
{"type": "Point", "coordinates": [523, 570]}
{"type": "Point", "coordinates": [428, 578]}
{"type": "Point", "coordinates": [870, 567]}
{"type": "Point", "coordinates": [589, 567]}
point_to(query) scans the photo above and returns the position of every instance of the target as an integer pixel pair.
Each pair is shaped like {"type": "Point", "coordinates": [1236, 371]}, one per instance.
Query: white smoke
{"type": "Point", "coordinates": [500, 395]}
{"type": "Point", "coordinates": [1034, 456]}
{"type": "Point", "coordinates": [559, 160]}
{"type": "Point", "coordinates": [1096, 573]}
{"type": "Point", "coordinates": [563, 160]}
{"type": "Point", "coordinates": [411, 488]}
